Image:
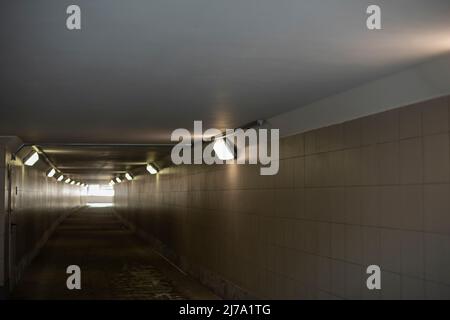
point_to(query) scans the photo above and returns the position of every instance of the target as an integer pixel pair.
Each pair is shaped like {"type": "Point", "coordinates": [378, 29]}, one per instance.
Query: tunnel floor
{"type": "Point", "coordinates": [114, 264]}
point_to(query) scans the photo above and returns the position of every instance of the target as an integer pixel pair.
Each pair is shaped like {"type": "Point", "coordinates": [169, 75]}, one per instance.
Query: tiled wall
{"type": "Point", "coordinates": [375, 190]}
{"type": "Point", "coordinates": [39, 202]}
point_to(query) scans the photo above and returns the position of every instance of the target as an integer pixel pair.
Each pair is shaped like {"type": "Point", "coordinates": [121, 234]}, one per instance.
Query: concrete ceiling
{"type": "Point", "coordinates": [139, 69]}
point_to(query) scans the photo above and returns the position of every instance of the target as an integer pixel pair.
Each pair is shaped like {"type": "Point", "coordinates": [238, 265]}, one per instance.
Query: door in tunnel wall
{"type": "Point", "coordinates": [11, 229]}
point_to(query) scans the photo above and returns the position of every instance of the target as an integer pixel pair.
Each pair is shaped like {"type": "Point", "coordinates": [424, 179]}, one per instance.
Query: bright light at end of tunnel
{"type": "Point", "coordinates": [51, 173]}
{"type": "Point", "coordinates": [223, 149]}
{"type": "Point", "coordinates": [100, 204]}
{"type": "Point", "coordinates": [32, 159]}
{"type": "Point", "coordinates": [151, 169]}
{"type": "Point", "coordinates": [128, 176]}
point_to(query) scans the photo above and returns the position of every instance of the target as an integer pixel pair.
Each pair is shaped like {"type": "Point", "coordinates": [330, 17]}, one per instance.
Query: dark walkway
{"type": "Point", "coordinates": [114, 264]}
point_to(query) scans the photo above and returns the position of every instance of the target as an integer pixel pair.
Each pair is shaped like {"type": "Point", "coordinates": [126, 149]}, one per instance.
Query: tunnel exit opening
{"type": "Point", "coordinates": [98, 195]}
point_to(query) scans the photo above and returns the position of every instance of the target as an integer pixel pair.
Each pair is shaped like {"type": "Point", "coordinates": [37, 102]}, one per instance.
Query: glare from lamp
{"type": "Point", "coordinates": [67, 180]}
{"type": "Point", "coordinates": [223, 149]}
{"type": "Point", "coordinates": [151, 169]}
{"type": "Point", "coordinates": [118, 180]}
{"type": "Point", "coordinates": [32, 159]}
{"type": "Point", "coordinates": [73, 182]}
{"type": "Point", "coordinates": [61, 177]}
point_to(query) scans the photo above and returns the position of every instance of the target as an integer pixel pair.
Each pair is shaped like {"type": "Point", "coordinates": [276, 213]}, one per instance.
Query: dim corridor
{"type": "Point", "coordinates": [114, 263]}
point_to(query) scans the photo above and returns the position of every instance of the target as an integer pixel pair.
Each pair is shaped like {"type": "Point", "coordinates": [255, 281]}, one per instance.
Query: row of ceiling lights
{"type": "Point", "coordinates": [52, 173]}
{"type": "Point", "coordinates": [33, 158]}
{"type": "Point", "coordinates": [150, 168]}
{"type": "Point", "coordinates": [224, 151]}
{"type": "Point", "coordinates": [221, 146]}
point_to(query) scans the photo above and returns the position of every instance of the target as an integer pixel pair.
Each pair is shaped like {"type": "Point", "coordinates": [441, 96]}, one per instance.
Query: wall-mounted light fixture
{"type": "Point", "coordinates": [61, 178]}
{"type": "Point", "coordinates": [78, 184]}
{"type": "Point", "coordinates": [151, 169]}
{"type": "Point", "coordinates": [128, 176]}
{"type": "Point", "coordinates": [223, 149]}
{"type": "Point", "coordinates": [118, 180]}
{"type": "Point", "coordinates": [51, 173]}
{"type": "Point", "coordinates": [111, 183]}
{"type": "Point", "coordinates": [68, 180]}
{"type": "Point", "coordinates": [73, 182]}
{"type": "Point", "coordinates": [32, 159]}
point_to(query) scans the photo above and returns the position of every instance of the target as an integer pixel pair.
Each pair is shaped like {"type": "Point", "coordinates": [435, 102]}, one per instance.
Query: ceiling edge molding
{"type": "Point", "coordinates": [419, 83]}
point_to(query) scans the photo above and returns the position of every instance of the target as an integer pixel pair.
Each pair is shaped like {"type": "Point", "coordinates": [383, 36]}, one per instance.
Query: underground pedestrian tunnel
{"type": "Point", "coordinates": [361, 169]}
